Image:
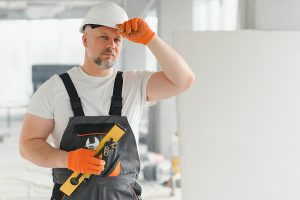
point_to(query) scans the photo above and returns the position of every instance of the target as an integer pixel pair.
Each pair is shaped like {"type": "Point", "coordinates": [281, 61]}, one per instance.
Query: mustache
{"type": "Point", "coordinates": [109, 51]}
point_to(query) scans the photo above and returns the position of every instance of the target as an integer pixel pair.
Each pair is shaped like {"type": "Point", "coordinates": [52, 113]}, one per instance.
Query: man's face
{"type": "Point", "coordinates": [103, 45]}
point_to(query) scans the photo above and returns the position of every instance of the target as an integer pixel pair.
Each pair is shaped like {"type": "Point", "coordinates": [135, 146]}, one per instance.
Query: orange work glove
{"type": "Point", "coordinates": [136, 30]}
{"type": "Point", "coordinates": [83, 161]}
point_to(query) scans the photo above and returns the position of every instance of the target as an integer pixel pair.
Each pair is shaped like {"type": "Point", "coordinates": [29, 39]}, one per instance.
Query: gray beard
{"type": "Point", "coordinates": [103, 65]}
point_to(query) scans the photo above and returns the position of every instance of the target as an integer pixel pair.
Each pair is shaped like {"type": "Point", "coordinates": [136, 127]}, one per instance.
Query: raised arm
{"type": "Point", "coordinates": [175, 75]}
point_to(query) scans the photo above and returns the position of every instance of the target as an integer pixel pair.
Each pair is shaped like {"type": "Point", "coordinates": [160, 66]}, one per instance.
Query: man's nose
{"type": "Point", "coordinates": [111, 44]}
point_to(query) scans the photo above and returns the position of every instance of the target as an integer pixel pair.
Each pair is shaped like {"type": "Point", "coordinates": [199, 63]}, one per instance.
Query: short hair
{"type": "Point", "coordinates": [91, 25]}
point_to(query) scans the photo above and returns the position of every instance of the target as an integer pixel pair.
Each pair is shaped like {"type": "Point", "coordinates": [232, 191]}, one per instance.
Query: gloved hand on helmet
{"type": "Point", "coordinates": [83, 161]}
{"type": "Point", "coordinates": [136, 30]}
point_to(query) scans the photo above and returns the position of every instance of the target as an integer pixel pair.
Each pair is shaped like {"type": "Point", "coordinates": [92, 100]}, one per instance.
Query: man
{"type": "Point", "coordinates": [79, 107]}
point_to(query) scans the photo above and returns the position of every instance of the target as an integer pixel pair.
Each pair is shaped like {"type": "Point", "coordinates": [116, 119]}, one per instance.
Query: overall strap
{"type": "Point", "coordinates": [74, 98]}
{"type": "Point", "coordinates": [116, 99]}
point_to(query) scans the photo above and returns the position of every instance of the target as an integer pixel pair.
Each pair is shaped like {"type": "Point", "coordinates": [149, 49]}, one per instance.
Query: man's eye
{"type": "Point", "coordinates": [103, 37]}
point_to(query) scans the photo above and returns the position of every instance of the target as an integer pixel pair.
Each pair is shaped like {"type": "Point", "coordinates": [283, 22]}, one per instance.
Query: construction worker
{"type": "Point", "coordinates": [78, 108]}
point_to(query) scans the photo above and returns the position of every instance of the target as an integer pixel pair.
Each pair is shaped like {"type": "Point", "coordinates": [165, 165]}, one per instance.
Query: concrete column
{"type": "Point", "coordinates": [247, 14]}
{"type": "Point", "coordinates": [270, 14]}
{"type": "Point", "coordinates": [173, 15]}
{"type": "Point", "coordinates": [133, 56]}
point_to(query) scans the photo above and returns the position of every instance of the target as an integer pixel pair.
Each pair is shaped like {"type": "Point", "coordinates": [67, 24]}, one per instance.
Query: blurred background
{"type": "Point", "coordinates": [39, 38]}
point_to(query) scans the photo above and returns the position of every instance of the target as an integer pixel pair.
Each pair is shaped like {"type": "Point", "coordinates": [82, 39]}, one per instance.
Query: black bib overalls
{"type": "Point", "coordinates": [86, 132]}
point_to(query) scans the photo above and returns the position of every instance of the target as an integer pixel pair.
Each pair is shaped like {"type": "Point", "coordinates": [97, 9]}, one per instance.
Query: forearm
{"type": "Point", "coordinates": [172, 64]}
{"type": "Point", "coordinates": [40, 152]}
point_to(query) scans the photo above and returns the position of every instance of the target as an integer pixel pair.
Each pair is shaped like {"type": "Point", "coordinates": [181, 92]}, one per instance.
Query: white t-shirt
{"type": "Point", "coordinates": [51, 100]}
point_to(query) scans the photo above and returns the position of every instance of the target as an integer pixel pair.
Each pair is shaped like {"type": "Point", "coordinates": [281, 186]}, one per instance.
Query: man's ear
{"type": "Point", "coordinates": [84, 39]}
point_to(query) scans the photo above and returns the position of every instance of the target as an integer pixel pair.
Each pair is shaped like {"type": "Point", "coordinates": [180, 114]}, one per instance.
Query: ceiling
{"type": "Point", "coordinates": [61, 9]}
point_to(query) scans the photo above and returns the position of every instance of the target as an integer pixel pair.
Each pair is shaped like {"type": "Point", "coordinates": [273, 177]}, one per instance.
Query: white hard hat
{"type": "Point", "coordinates": [105, 13]}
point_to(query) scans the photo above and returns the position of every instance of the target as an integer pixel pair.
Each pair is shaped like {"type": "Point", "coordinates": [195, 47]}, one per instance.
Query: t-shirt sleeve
{"type": "Point", "coordinates": [145, 78]}
{"type": "Point", "coordinates": [41, 103]}
{"type": "Point", "coordinates": [137, 81]}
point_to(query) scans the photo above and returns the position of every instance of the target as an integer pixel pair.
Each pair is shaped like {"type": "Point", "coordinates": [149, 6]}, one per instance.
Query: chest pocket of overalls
{"type": "Point", "coordinates": [89, 136]}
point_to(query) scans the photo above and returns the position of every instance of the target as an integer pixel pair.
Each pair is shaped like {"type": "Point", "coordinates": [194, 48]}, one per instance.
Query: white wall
{"type": "Point", "coordinates": [239, 124]}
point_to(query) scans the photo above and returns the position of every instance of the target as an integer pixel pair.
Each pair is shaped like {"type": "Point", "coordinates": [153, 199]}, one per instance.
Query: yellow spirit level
{"type": "Point", "coordinates": [69, 186]}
